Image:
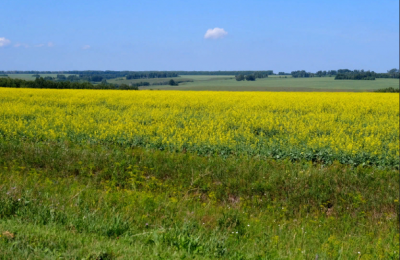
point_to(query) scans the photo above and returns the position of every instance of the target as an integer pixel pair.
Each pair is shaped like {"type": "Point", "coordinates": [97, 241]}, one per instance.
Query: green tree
{"type": "Point", "coordinates": [250, 78]}
{"type": "Point", "coordinates": [172, 82]}
{"type": "Point", "coordinates": [239, 77]}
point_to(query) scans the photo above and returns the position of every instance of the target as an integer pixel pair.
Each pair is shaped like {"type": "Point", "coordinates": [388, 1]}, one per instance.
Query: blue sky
{"type": "Point", "coordinates": [170, 35]}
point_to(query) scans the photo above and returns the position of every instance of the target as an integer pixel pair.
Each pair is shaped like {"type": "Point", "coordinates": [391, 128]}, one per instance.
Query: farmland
{"type": "Point", "coordinates": [349, 128]}
{"type": "Point", "coordinates": [276, 83]}
{"type": "Point", "coordinates": [272, 83]}
{"type": "Point", "coordinates": [169, 174]}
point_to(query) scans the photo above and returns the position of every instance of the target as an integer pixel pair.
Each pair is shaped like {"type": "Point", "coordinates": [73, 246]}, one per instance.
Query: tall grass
{"type": "Point", "coordinates": [62, 199]}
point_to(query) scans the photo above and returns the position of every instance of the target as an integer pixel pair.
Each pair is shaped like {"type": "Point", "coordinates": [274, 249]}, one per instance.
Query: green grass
{"type": "Point", "coordinates": [108, 202]}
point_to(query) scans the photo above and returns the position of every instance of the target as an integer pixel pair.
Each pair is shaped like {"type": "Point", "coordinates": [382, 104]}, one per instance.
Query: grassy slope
{"type": "Point", "coordinates": [106, 202]}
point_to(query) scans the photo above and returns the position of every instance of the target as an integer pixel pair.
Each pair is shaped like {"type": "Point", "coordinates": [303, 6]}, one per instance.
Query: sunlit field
{"type": "Point", "coordinates": [98, 174]}
{"type": "Point", "coordinates": [347, 127]}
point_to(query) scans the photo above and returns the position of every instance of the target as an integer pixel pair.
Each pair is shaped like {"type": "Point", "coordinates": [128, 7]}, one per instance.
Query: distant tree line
{"type": "Point", "coordinates": [117, 74]}
{"type": "Point", "coordinates": [324, 73]}
{"type": "Point", "coordinates": [356, 76]}
{"type": "Point", "coordinates": [151, 75]}
{"type": "Point", "coordinates": [107, 74]}
{"type": "Point", "coordinates": [42, 83]}
{"type": "Point", "coordinates": [346, 74]}
{"type": "Point", "coordinates": [225, 73]}
{"type": "Point", "coordinates": [366, 75]}
{"type": "Point", "coordinates": [241, 77]}
{"type": "Point", "coordinates": [301, 74]}
{"type": "Point", "coordinates": [98, 76]}
{"type": "Point", "coordinates": [393, 73]}
{"type": "Point", "coordinates": [77, 72]}
{"type": "Point", "coordinates": [79, 78]}
{"type": "Point", "coordinates": [74, 78]}
{"type": "Point", "coordinates": [252, 76]}
{"type": "Point", "coordinates": [103, 78]}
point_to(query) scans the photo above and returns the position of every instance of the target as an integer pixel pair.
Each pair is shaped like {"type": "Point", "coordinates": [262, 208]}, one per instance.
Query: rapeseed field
{"type": "Point", "coordinates": [98, 174]}
{"type": "Point", "coordinates": [352, 128]}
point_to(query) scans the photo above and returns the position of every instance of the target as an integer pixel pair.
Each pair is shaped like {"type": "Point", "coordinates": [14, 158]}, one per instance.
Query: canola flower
{"type": "Point", "coordinates": [355, 128]}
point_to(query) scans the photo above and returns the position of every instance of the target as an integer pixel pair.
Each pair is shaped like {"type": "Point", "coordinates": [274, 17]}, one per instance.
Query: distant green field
{"type": "Point", "coordinates": [151, 81]}
{"type": "Point", "coordinates": [272, 83]}
{"type": "Point", "coordinates": [181, 78]}
{"type": "Point", "coordinates": [275, 83]}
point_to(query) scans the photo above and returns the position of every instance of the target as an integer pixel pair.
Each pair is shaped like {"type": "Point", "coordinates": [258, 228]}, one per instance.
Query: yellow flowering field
{"type": "Point", "coordinates": [354, 128]}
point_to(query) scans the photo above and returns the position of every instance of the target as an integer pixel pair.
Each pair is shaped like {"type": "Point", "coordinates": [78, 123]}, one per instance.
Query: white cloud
{"type": "Point", "coordinates": [4, 41]}
{"type": "Point", "coordinates": [215, 33]}
{"type": "Point", "coordinates": [17, 45]}
{"type": "Point", "coordinates": [86, 47]}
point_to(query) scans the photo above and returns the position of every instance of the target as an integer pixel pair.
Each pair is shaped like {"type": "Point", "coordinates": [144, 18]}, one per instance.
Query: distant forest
{"type": "Point", "coordinates": [224, 73]}
{"type": "Point", "coordinates": [344, 74]}
{"type": "Point", "coordinates": [43, 83]}
{"type": "Point", "coordinates": [140, 74]}
{"type": "Point", "coordinates": [98, 76]}
{"type": "Point", "coordinates": [347, 74]}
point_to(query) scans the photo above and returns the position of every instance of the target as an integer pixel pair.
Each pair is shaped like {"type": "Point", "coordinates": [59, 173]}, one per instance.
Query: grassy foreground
{"type": "Point", "coordinates": [107, 202]}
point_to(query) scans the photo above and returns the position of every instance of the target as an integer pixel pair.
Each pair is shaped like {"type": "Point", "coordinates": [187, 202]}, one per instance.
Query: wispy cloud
{"type": "Point", "coordinates": [86, 47]}
{"type": "Point", "coordinates": [216, 33]}
{"type": "Point", "coordinates": [4, 41]}
{"type": "Point", "coordinates": [17, 45]}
